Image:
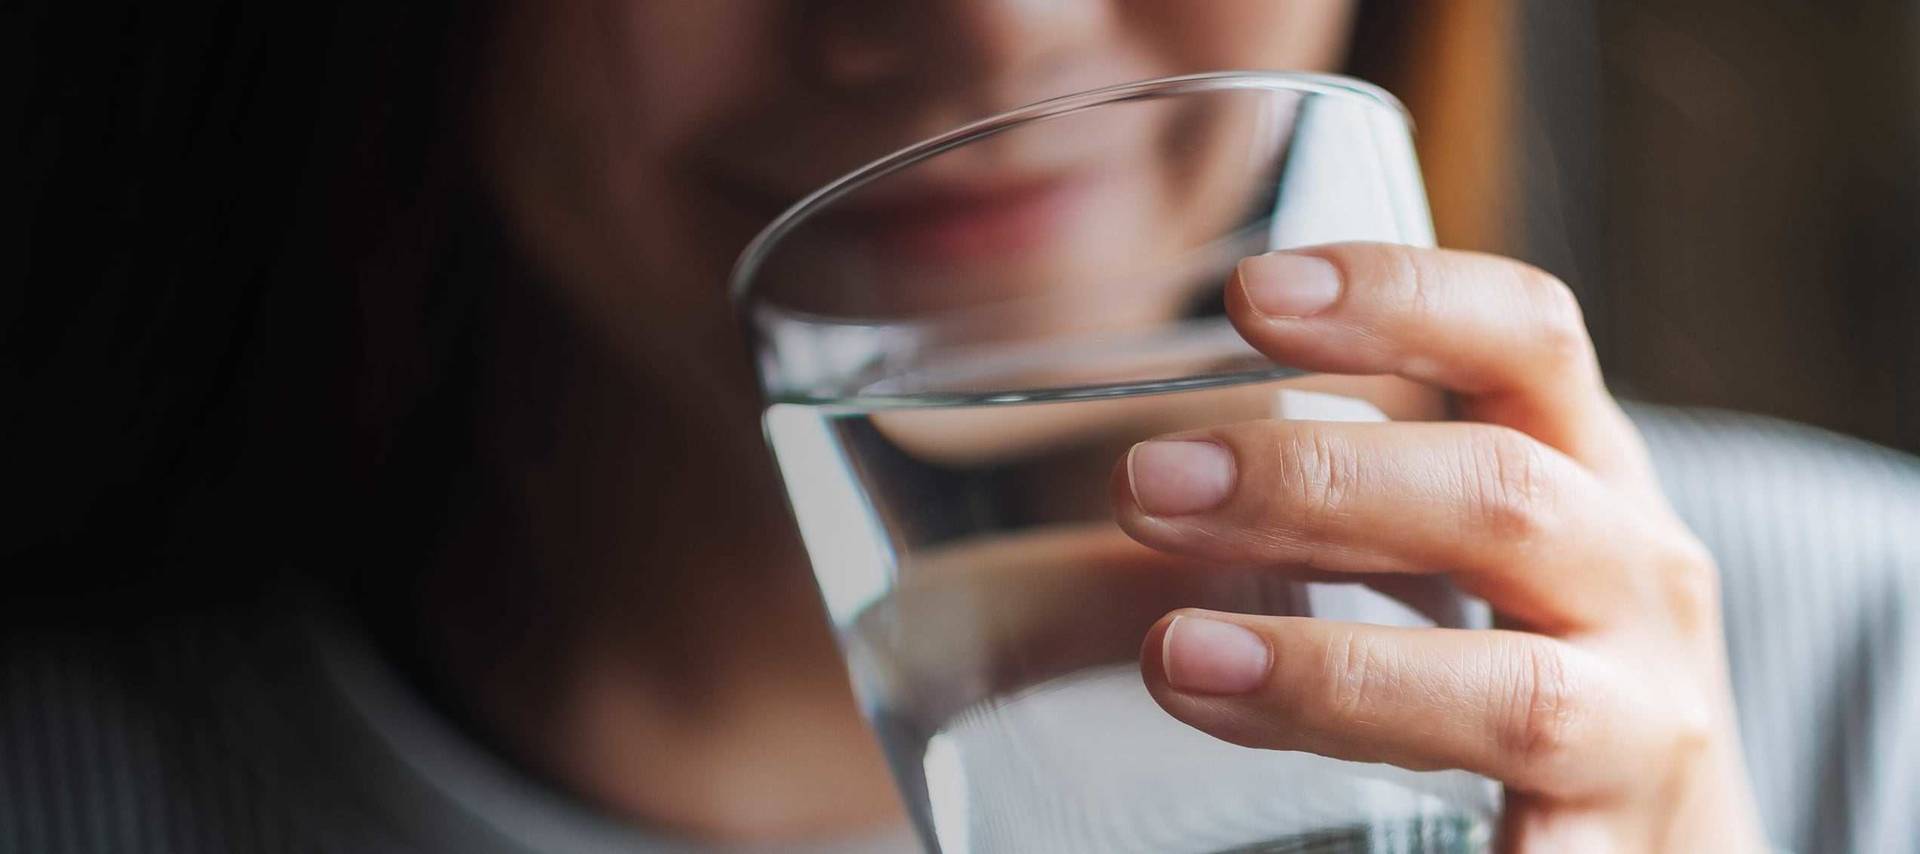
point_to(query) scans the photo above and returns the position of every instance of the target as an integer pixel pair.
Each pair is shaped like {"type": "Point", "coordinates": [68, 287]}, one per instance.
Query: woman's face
{"type": "Point", "coordinates": [636, 145]}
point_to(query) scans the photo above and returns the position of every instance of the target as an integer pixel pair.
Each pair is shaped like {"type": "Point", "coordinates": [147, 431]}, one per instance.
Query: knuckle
{"type": "Point", "coordinates": [1544, 724]}
{"type": "Point", "coordinates": [1408, 284]}
{"type": "Point", "coordinates": [1691, 729]}
{"type": "Point", "coordinates": [1560, 325]}
{"type": "Point", "coordinates": [1689, 584]}
{"type": "Point", "coordinates": [1341, 686]}
{"type": "Point", "coordinates": [1511, 486]}
{"type": "Point", "coordinates": [1317, 475]}
{"type": "Point", "coordinates": [1349, 675]}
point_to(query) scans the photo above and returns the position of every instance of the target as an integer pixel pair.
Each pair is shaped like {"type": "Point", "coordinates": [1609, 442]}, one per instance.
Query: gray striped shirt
{"type": "Point", "coordinates": [274, 731]}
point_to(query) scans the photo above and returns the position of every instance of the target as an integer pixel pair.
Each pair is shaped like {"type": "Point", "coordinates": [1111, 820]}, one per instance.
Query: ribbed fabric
{"type": "Point", "coordinates": [137, 742]}
{"type": "Point", "coordinates": [1818, 539]}
{"type": "Point", "coordinates": [226, 734]}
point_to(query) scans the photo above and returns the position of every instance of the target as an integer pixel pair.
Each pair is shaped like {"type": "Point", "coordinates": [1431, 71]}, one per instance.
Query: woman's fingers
{"type": "Point", "coordinates": [1509, 518]}
{"type": "Point", "coordinates": [1531, 711]}
{"type": "Point", "coordinates": [992, 614]}
{"type": "Point", "coordinates": [1506, 338]}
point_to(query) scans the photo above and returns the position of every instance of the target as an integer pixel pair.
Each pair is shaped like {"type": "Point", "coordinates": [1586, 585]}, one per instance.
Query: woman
{"type": "Point", "coordinates": [488, 390]}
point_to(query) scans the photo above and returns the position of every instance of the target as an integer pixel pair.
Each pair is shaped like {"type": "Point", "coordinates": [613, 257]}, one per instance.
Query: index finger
{"type": "Point", "coordinates": [1506, 338]}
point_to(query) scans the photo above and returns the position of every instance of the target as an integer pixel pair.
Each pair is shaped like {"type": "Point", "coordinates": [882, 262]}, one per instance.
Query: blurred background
{"type": "Point", "coordinates": [1732, 187]}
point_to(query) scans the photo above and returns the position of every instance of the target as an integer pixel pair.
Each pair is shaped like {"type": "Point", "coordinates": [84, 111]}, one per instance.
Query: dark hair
{"type": "Point", "coordinates": [239, 217]}
{"type": "Point", "coordinates": [238, 334]}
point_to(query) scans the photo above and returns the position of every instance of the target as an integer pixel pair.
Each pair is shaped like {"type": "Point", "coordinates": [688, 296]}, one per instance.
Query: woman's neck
{"type": "Point", "coordinates": [645, 631]}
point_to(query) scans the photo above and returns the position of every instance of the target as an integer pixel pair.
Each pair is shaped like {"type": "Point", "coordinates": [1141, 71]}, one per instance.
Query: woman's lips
{"type": "Point", "coordinates": [956, 222]}
{"type": "Point", "coordinates": [952, 220]}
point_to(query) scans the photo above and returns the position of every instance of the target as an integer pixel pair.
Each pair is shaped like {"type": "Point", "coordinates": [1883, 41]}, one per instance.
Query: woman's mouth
{"type": "Point", "coordinates": [956, 221]}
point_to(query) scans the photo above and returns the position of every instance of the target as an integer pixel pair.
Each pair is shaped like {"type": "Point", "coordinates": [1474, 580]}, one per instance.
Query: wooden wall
{"type": "Point", "coordinates": [1733, 187]}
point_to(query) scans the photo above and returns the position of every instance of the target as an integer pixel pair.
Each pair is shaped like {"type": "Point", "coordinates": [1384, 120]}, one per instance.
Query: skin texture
{"type": "Point", "coordinates": [670, 661]}
{"type": "Point", "coordinates": [1610, 720]}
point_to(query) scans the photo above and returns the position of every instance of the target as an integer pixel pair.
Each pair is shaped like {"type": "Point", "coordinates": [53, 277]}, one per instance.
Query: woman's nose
{"type": "Point", "coordinates": [872, 47]}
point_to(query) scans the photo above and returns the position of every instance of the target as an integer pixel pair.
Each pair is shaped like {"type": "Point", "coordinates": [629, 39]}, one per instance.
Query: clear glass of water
{"type": "Point", "coordinates": [958, 342]}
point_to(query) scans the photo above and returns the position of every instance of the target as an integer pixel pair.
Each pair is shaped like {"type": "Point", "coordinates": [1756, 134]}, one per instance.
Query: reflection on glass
{"type": "Point", "coordinates": [959, 343]}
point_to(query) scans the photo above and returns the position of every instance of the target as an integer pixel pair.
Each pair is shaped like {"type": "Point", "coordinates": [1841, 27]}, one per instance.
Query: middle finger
{"type": "Point", "coordinates": [1512, 520]}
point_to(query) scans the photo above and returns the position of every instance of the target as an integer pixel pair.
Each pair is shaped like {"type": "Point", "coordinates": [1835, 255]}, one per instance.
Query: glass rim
{"type": "Point", "coordinates": [1308, 82]}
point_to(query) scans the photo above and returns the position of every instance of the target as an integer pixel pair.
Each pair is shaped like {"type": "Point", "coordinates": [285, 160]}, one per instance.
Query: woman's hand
{"type": "Point", "coordinates": [1603, 705]}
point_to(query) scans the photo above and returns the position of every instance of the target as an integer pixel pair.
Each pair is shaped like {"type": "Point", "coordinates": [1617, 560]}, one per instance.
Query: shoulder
{"type": "Point", "coordinates": [122, 731]}
{"type": "Point", "coordinates": [1814, 532]}
{"type": "Point", "coordinates": [1748, 483]}
{"type": "Point", "coordinates": [1818, 541]}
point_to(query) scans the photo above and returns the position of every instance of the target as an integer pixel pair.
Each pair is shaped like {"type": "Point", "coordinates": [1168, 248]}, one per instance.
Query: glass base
{"type": "Point", "coordinates": [1436, 835]}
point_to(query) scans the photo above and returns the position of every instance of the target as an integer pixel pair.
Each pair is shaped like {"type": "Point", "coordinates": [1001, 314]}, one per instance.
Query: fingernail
{"type": "Point", "coordinates": [1283, 284]}
{"type": "Point", "coordinates": [1203, 656]}
{"type": "Point", "coordinates": [1179, 477]}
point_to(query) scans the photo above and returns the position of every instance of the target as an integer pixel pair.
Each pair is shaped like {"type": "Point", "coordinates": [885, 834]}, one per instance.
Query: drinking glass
{"type": "Point", "coordinates": [959, 341]}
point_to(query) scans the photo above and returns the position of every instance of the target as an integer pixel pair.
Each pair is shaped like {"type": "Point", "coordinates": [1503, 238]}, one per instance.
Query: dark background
{"type": "Point", "coordinates": [1733, 188]}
